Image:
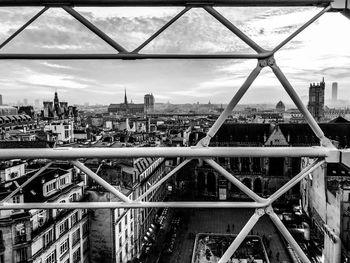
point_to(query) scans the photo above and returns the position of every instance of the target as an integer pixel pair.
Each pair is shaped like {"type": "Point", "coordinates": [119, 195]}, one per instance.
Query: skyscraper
{"type": "Point", "coordinates": [316, 100]}
{"type": "Point", "coordinates": [0, 99]}
{"type": "Point", "coordinates": [334, 91]}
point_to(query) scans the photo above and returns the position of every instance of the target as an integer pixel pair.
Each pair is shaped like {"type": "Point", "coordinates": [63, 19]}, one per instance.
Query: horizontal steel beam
{"type": "Point", "coordinates": [200, 152]}
{"type": "Point", "coordinates": [103, 205]}
{"type": "Point", "coordinates": [132, 56]}
{"type": "Point", "coordinates": [164, 2]}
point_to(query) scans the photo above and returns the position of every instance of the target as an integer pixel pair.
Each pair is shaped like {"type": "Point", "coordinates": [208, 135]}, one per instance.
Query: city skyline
{"type": "Point", "coordinates": [188, 81]}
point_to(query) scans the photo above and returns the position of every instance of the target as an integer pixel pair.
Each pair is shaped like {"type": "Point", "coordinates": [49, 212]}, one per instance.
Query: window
{"type": "Point", "coordinates": [63, 181]}
{"type": "Point", "coordinates": [51, 258]}
{"type": "Point", "coordinates": [73, 197]}
{"type": "Point", "coordinates": [120, 242]}
{"type": "Point", "coordinates": [16, 199]}
{"type": "Point", "coordinates": [51, 187]}
{"type": "Point", "coordinates": [64, 247]}
{"type": "Point", "coordinates": [76, 236]}
{"type": "Point", "coordinates": [14, 174]}
{"type": "Point", "coordinates": [20, 233]}
{"type": "Point", "coordinates": [120, 227]}
{"type": "Point", "coordinates": [21, 255]}
{"type": "Point", "coordinates": [75, 218]}
{"type": "Point", "coordinates": [121, 256]}
{"type": "Point", "coordinates": [76, 256]}
{"type": "Point", "coordinates": [48, 237]}
{"type": "Point", "coordinates": [85, 228]}
{"type": "Point", "coordinates": [126, 219]}
{"type": "Point", "coordinates": [64, 226]}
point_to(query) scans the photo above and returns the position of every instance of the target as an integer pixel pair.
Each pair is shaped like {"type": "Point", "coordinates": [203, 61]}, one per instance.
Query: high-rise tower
{"type": "Point", "coordinates": [334, 92]}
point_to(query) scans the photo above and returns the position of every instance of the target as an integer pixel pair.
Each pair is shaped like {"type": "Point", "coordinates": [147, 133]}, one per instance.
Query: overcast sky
{"type": "Point", "coordinates": [323, 49]}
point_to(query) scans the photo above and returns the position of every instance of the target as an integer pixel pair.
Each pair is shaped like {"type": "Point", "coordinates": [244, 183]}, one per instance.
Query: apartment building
{"type": "Point", "coordinates": [45, 236]}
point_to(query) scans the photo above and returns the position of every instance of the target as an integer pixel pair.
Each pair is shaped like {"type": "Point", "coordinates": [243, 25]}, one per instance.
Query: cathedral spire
{"type": "Point", "coordinates": [125, 98]}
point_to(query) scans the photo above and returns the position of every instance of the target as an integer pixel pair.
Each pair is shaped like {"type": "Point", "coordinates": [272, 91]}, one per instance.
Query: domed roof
{"type": "Point", "coordinates": [280, 104]}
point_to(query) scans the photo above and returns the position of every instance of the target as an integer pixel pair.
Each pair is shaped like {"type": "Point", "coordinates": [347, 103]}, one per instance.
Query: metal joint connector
{"type": "Point", "coordinates": [269, 61]}
{"type": "Point", "coordinates": [269, 210]}
{"type": "Point", "coordinates": [260, 211]}
{"type": "Point", "coordinates": [204, 142]}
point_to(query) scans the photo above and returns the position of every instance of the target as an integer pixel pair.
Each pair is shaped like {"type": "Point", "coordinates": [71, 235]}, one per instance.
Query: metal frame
{"type": "Point", "coordinates": [325, 152]}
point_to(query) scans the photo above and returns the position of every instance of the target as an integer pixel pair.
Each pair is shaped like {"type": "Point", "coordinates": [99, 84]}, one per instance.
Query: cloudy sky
{"type": "Point", "coordinates": [323, 49]}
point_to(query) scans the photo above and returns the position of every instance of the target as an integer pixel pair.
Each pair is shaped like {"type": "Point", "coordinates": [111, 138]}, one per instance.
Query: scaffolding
{"type": "Point", "coordinates": [324, 153]}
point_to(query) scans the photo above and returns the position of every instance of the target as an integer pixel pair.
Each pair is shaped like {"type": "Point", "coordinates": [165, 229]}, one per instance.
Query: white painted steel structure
{"type": "Point", "coordinates": [326, 152]}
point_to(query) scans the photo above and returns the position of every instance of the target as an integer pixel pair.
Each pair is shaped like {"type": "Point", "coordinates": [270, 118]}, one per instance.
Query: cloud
{"type": "Point", "coordinates": [318, 51]}
{"type": "Point", "coordinates": [62, 81]}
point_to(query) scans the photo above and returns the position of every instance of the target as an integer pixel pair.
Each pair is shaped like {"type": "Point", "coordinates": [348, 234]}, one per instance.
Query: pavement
{"type": "Point", "coordinates": [217, 221]}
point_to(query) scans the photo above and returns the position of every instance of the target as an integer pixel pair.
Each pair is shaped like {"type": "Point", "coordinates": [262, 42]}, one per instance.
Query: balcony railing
{"type": "Point", "coordinates": [326, 152]}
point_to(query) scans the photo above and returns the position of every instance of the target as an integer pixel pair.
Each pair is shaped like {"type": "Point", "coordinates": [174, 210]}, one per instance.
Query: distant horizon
{"type": "Point", "coordinates": [319, 51]}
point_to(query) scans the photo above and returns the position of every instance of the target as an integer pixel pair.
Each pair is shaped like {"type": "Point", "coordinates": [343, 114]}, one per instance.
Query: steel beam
{"type": "Point", "coordinates": [164, 2]}
{"type": "Point", "coordinates": [235, 181]}
{"type": "Point", "coordinates": [66, 153]}
{"type": "Point", "coordinates": [129, 56]}
{"type": "Point", "coordinates": [94, 29]}
{"type": "Point", "coordinates": [234, 101]}
{"type": "Point", "coordinates": [23, 27]}
{"type": "Point", "coordinates": [26, 182]}
{"type": "Point", "coordinates": [111, 205]}
{"type": "Point", "coordinates": [300, 105]}
{"type": "Point", "coordinates": [101, 182]}
{"type": "Point", "coordinates": [164, 179]}
{"type": "Point", "coordinates": [313, 19]}
{"type": "Point", "coordinates": [158, 32]}
{"type": "Point", "coordinates": [234, 29]}
{"type": "Point", "coordinates": [296, 179]}
{"type": "Point", "coordinates": [241, 236]}
{"type": "Point", "coordinates": [289, 238]}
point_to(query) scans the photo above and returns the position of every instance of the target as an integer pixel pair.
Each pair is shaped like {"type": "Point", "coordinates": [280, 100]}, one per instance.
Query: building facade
{"type": "Point", "coordinates": [316, 100]}
{"type": "Point", "coordinates": [45, 236]}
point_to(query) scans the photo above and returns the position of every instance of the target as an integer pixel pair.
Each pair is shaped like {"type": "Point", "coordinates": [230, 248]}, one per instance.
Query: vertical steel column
{"type": "Point", "coordinates": [234, 101]}
{"type": "Point", "coordinates": [284, 231]}
{"type": "Point", "coordinates": [100, 181]}
{"type": "Point", "coordinates": [294, 96]}
{"type": "Point", "coordinates": [241, 236]}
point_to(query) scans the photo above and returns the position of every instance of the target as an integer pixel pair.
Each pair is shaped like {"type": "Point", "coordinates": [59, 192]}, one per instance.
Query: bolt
{"type": "Point", "coordinates": [262, 63]}
{"type": "Point", "coordinates": [271, 61]}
